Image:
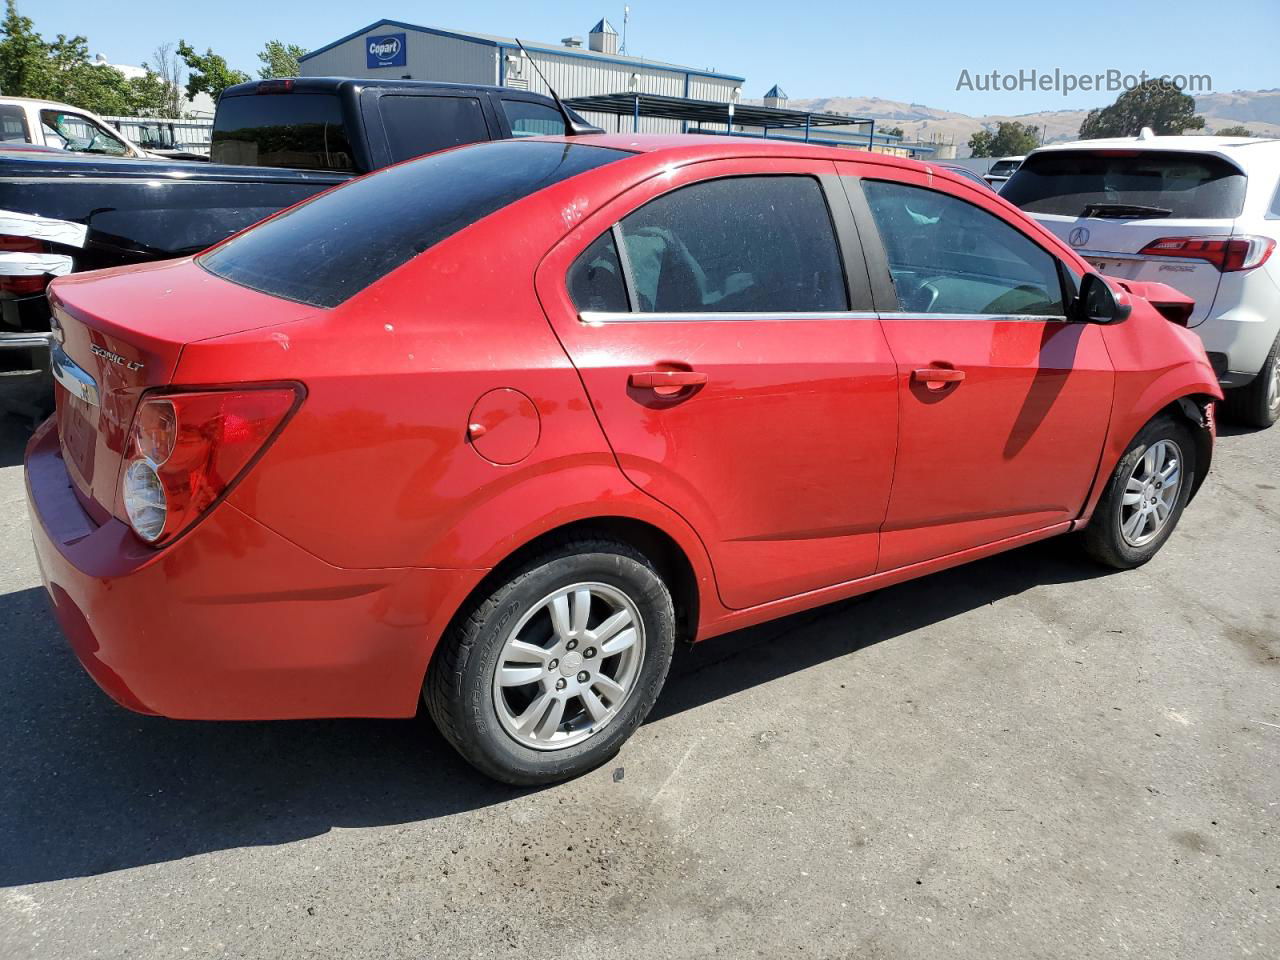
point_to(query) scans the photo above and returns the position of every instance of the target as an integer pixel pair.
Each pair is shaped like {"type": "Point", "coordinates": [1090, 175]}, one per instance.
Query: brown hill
{"type": "Point", "coordinates": [1259, 110]}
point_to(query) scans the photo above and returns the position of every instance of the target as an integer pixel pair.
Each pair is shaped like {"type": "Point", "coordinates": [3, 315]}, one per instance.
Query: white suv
{"type": "Point", "coordinates": [1201, 214]}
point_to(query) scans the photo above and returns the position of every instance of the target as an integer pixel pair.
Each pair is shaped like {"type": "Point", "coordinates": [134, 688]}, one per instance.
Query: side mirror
{"type": "Point", "coordinates": [1097, 303]}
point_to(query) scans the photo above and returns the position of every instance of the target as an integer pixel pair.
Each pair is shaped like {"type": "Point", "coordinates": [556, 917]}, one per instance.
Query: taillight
{"type": "Point", "coordinates": [186, 449]}
{"type": "Point", "coordinates": [1228, 254]}
{"type": "Point", "coordinates": [26, 283]}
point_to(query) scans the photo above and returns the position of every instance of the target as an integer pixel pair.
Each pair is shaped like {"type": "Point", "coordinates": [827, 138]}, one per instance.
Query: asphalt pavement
{"type": "Point", "coordinates": [1028, 757]}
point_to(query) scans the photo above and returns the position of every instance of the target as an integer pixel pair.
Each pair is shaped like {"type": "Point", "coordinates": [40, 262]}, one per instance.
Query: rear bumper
{"type": "Point", "coordinates": [231, 622]}
{"type": "Point", "coordinates": [1241, 335]}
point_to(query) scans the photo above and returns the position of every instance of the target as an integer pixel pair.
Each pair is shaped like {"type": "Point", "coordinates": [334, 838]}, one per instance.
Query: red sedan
{"type": "Point", "coordinates": [498, 426]}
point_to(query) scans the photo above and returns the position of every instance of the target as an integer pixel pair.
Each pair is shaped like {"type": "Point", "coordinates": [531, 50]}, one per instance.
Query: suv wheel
{"type": "Point", "coordinates": [1145, 496]}
{"type": "Point", "coordinates": [1258, 403]}
{"type": "Point", "coordinates": [554, 669]}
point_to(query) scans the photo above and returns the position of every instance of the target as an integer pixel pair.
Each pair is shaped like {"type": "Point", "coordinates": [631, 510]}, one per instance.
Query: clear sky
{"type": "Point", "coordinates": [912, 51]}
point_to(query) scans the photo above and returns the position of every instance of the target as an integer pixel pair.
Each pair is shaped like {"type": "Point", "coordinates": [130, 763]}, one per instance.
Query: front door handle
{"type": "Point", "coordinates": [667, 383]}
{"type": "Point", "coordinates": [935, 378]}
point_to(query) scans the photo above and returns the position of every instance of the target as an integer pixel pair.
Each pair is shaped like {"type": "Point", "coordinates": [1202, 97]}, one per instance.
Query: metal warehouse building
{"type": "Point", "coordinates": [394, 50]}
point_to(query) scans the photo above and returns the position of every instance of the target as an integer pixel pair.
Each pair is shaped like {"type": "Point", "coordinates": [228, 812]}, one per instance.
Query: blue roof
{"type": "Point", "coordinates": [604, 26]}
{"type": "Point", "coordinates": [510, 43]}
{"type": "Point", "coordinates": [777, 91]}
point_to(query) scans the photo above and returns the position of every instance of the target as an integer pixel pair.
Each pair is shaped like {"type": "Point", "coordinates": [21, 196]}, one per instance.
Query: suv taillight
{"type": "Point", "coordinates": [186, 449]}
{"type": "Point", "coordinates": [1228, 254]}
{"type": "Point", "coordinates": [22, 284]}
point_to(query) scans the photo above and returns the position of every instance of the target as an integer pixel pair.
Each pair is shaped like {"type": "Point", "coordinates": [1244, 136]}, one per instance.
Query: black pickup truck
{"type": "Point", "coordinates": [274, 143]}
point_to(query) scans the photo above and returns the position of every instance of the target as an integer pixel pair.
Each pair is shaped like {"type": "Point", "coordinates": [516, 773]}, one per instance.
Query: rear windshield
{"type": "Point", "coordinates": [1003, 167]}
{"type": "Point", "coordinates": [1173, 184]}
{"type": "Point", "coordinates": [332, 247]}
{"type": "Point", "coordinates": [302, 130]}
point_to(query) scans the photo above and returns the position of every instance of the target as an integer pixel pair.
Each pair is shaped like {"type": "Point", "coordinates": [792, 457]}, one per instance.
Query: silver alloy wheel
{"type": "Point", "coordinates": [1150, 493]}
{"type": "Point", "coordinates": [1273, 387]}
{"type": "Point", "coordinates": [568, 666]}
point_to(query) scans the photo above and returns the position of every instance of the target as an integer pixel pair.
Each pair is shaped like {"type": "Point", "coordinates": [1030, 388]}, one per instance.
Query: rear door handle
{"type": "Point", "coordinates": [667, 383]}
{"type": "Point", "coordinates": [934, 377]}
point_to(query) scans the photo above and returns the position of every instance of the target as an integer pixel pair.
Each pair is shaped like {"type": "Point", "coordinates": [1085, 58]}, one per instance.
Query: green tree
{"type": "Point", "coordinates": [31, 66]}
{"type": "Point", "coordinates": [25, 68]}
{"type": "Point", "coordinates": [280, 59]}
{"type": "Point", "coordinates": [209, 72]}
{"type": "Point", "coordinates": [1155, 104]}
{"type": "Point", "coordinates": [1011, 138]}
{"type": "Point", "coordinates": [891, 131]}
{"type": "Point", "coordinates": [1239, 130]}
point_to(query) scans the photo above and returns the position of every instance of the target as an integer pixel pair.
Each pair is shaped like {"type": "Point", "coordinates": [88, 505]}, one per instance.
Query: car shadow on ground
{"type": "Point", "coordinates": [89, 787]}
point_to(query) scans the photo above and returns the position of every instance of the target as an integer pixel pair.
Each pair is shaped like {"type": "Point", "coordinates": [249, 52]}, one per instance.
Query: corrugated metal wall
{"type": "Point", "coordinates": [579, 77]}
{"type": "Point", "coordinates": [711, 88]}
{"type": "Point", "coordinates": [428, 58]}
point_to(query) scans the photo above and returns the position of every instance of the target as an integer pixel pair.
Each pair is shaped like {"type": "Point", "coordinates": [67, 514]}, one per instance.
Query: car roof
{"type": "Point", "coordinates": [333, 84]}
{"type": "Point", "coordinates": [57, 104]}
{"type": "Point", "coordinates": [702, 146]}
{"type": "Point", "coordinates": [1247, 153]}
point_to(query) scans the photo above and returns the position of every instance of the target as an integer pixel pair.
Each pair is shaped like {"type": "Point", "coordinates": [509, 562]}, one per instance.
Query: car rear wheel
{"type": "Point", "coordinates": [1145, 496]}
{"type": "Point", "coordinates": [549, 673]}
{"type": "Point", "coordinates": [1258, 403]}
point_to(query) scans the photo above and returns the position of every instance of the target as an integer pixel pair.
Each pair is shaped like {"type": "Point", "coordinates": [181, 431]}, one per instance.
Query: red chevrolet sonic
{"type": "Point", "coordinates": [497, 426]}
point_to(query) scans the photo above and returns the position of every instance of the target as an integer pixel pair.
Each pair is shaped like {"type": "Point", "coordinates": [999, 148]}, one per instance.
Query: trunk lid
{"type": "Point", "coordinates": [1109, 204]}
{"type": "Point", "coordinates": [1114, 248]}
{"type": "Point", "coordinates": [118, 333]}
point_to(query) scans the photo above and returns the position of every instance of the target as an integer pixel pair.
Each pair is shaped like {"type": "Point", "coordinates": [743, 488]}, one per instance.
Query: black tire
{"type": "Point", "coordinates": [1257, 404]}
{"type": "Point", "coordinates": [1104, 538]}
{"type": "Point", "coordinates": [459, 690]}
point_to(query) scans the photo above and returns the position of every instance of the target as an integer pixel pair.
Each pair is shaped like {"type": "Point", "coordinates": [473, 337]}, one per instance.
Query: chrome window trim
{"type": "Point", "coordinates": [1002, 317]}
{"type": "Point", "coordinates": [72, 376]}
{"type": "Point", "coordinates": [595, 317]}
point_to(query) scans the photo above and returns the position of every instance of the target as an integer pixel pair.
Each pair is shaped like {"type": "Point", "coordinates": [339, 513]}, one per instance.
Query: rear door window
{"type": "Point", "coordinates": [1128, 184]}
{"type": "Point", "coordinates": [416, 125]}
{"type": "Point", "coordinates": [737, 245]}
{"type": "Point", "coordinates": [333, 246]}
{"type": "Point", "coordinates": [301, 130]}
{"type": "Point", "coordinates": [530, 119]}
{"type": "Point", "coordinates": [13, 125]}
{"type": "Point", "coordinates": [947, 256]}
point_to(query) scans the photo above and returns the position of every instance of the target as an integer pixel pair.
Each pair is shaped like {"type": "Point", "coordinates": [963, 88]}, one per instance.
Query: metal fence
{"type": "Point", "coordinates": [160, 133]}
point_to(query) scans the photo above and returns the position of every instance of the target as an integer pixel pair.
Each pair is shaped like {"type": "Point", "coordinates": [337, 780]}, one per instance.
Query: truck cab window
{"type": "Point", "coordinates": [530, 119]}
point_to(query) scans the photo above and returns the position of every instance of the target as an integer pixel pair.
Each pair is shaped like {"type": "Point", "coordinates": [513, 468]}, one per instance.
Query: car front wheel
{"type": "Point", "coordinates": [1145, 496]}
{"type": "Point", "coordinates": [546, 676]}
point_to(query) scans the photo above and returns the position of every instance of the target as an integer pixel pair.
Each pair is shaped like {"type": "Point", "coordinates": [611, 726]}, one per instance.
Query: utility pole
{"type": "Point", "coordinates": [626, 15]}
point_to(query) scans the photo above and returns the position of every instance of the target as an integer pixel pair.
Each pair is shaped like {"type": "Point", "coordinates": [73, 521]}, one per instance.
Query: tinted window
{"type": "Point", "coordinates": [948, 256]}
{"type": "Point", "coordinates": [1175, 184]}
{"type": "Point", "coordinates": [418, 125]}
{"type": "Point", "coordinates": [595, 279]}
{"type": "Point", "coordinates": [80, 134]}
{"type": "Point", "coordinates": [335, 245]}
{"type": "Point", "coordinates": [1002, 168]}
{"type": "Point", "coordinates": [741, 245]}
{"type": "Point", "coordinates": [1275, 204]}
{"type": "Point", "coordinates": [533, 119]}
{"type": "Point", "coordinates": [281, 130]}
{"type": "Point", "coordinates": [13, 124]}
